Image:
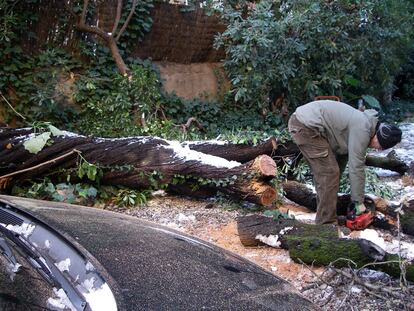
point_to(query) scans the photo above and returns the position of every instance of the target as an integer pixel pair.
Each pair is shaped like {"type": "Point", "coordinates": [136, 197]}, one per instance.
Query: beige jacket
{"type": "Point", "coordinates": [348, 132]}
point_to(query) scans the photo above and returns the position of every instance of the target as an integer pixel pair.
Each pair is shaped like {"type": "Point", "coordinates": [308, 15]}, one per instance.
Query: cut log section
{"type": "Point", "coordinates": [132, 162]}
{"type": "Point", "coordinates": [317, 244]}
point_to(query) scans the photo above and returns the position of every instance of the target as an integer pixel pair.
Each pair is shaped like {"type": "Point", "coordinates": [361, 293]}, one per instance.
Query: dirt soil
{"type": "Point", "coordinates": [215, 222]}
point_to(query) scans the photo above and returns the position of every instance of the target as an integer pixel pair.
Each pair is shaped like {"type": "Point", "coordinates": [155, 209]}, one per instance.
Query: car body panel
{"type": "Point", "coordinates": [151, 267]}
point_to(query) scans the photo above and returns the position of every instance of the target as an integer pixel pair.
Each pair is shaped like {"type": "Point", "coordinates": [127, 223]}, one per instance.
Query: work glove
{"type": "Point", "coordinates": [355, 209]}
{"type": "Point", "coordinates": [359, 208]}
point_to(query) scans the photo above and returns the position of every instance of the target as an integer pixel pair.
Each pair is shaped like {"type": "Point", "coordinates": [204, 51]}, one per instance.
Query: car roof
{"type": "Point", "coordinates": [151, 267]}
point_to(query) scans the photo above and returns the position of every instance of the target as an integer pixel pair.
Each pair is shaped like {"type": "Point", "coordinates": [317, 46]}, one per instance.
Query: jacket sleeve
{"type": "Point", "coordinates": [358, 141]}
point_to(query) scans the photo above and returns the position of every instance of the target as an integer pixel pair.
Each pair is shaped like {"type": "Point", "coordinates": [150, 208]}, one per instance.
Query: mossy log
{"type": "Point", "coordinates": [131, 162]}
{"type": "Point", "coordinates": [317, 244]}
{"type": "Point", "coordinates": [407, 219]}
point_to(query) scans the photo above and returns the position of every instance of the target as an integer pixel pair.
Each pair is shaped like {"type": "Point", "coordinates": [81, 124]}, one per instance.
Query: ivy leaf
{"type": "Point", "coordinates": [37, 143]}
{"type": "Point", "coordinates": [92, 192]}
{"type": "Point", "coordinates": [91, 172]}
{"type": "Point", "coordinates": [371, 101]}
{"type": "Point", "coordinates": [55, 131]}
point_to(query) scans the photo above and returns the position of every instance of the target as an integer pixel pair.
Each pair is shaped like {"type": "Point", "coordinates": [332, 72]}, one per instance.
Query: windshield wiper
{"type": "Point", "coordinates": [42, 264]}
{"type": "Point", "coordinates": [7, 252]}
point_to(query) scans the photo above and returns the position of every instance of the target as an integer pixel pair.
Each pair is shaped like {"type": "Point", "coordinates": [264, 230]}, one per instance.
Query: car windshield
{"type": "Point", "coordinates": [68, 279]}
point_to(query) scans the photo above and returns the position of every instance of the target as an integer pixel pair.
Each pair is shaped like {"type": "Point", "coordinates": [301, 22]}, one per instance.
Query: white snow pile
{"type": "Point", "coordinates": [89, 267]}
{"type": "Point", "coordinates": [302, 216]}
{"type": "Point", "coordinates": [25, 229]}
{"type": "Point", "coordinates": [210, 142]}
{"type": "Point", "coordinates": [101, 298]}
{"type": "Point", "coordinates": [12, 269]}
{"type": "Point", "coordinates": [392, 247]}
{"type": "Point", "coordinates": [186, 154]}
{"type": "Point", "coordinates": [61, 302]}
{"type": "Point", "coordinates": [271, 240]}
{"type": "Point", "coordinates": [181, 218]}
{"type": "Point", "coordinates": [63, 265]}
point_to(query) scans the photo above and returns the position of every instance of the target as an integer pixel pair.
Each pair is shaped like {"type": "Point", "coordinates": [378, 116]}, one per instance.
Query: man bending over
{"type": "Point", "coordinates": [331, 134]}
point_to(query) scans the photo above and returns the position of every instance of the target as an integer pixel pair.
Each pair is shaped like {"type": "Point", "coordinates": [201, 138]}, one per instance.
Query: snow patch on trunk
{"type": "Point", "coordinates": [186, 154]}
{"type": "Point", "coordinates": [271, 240]}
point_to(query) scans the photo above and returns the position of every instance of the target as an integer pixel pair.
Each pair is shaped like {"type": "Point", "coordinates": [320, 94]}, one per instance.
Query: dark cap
{"type": "Point", "coordinates": [388, 135]}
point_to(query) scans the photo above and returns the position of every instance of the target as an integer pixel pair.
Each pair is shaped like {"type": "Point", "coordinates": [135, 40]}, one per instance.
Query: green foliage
{"type": "Point", "coordinates": [130, 198]}
{"type": "Point", "coordinates": [120, 102]}
{"type": "Point", "coordinates": [38, 141]}
{"type": "Point", "coordinates": [308, 48]}
{"type": "Point", "coordinates": [62, 192]}
{"type": "Point", "coordinates": [302, 172]}
{"type": "Point", "coordinates": [90, 170]}
{"type": "Point", "coordinates": [373, 184]}
{"type": "Point", "coordinates": [139, 25]}
{"type": "Point", "coordinates": [37, 84]}
{"type": "Point", "coordinates": [276, 214]}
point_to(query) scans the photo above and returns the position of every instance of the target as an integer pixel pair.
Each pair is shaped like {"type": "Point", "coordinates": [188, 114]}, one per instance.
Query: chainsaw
{"type": "Point", "coordinates": [357, 222]}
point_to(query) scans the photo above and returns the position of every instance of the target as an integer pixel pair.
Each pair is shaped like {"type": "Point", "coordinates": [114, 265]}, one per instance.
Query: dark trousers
{"type": "Point", "coordinates": [324, 165]}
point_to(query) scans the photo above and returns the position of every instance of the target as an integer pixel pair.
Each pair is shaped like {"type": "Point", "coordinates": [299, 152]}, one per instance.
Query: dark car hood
{"type": "Point", "coordinates": [150, 267]}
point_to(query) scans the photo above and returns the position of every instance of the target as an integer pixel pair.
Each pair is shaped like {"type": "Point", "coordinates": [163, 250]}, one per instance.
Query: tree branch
{"type": "Point", "coordinates": [125, 25]}
{"type": "Point", "coordinates": [117, 18]}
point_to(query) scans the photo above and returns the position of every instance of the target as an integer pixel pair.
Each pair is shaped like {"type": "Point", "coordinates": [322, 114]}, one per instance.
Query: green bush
{"type": "Point", "coordinates": [307, 48]}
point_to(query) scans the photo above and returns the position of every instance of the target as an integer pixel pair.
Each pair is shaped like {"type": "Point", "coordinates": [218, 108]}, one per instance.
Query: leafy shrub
{"type": "Point", "coordinates": [113, 106]}
{"type": "Point", "coordinates": [308, 48]}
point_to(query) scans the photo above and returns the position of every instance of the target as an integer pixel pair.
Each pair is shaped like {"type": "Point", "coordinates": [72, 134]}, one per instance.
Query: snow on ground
{"type": "Point", "coordinates": [404, 148]}
{"type": "Point", "coordinates": [390, 245]}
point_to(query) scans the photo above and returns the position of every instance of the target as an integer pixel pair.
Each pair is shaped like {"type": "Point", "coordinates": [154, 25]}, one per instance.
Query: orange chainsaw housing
{"type": "Point", "coordinates": [360, 222]}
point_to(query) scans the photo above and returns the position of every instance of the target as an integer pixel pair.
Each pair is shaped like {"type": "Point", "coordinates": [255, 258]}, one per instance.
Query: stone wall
{"type": "Point", "coordinates": [197, 80]}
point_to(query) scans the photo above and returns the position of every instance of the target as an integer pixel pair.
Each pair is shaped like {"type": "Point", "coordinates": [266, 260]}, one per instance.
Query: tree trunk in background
{"type": "Point", "coordinates": [390, 162]}
{"type": "Point", "coordinates": [132, 162]}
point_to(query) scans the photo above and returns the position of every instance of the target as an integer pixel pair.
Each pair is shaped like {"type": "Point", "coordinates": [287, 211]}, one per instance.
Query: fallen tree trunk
{"type": "Point", "coordinates": [272, 147]}
{"type": "Point", "coordinates": [304, 196]}
{"type": "Point", "coordinates": [317, 244]}
{"type": "Point", "coordinates": [136, 162]}
{"type": "Point", "coordinates": [287, 151]}
{"type": "Point", "coordinates": [389, 162]}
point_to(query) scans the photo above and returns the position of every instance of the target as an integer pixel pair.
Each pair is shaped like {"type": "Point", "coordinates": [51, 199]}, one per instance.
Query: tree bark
{"type": "Point", "coordinates": [137, 162]}
{"type": "Point", "coordinates": [317, 244]}
{"type": "Point", "coordinates": [110, 39]}
{"type": "Point", "coordinates": [390, 162]}
{"type": "Point", "coordinates": [288, 150]}
{"type": "Point", "coordinates": [278, 150]}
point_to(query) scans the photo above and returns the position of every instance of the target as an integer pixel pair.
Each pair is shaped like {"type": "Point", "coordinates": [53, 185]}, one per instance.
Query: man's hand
{"type": "Point", "coordinates": [360, 208]}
